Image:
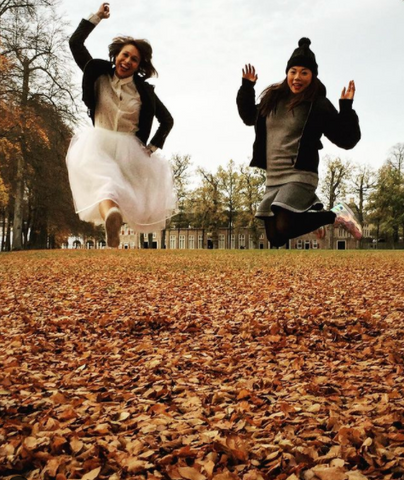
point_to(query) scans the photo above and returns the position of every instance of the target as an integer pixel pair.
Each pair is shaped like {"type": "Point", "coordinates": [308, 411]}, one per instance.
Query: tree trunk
{"type": "Point", "coordinates": [19, 194]}
{"type": "Point", "coordinates": [3, 230]}
{"type": "Point", "coordinates": [18, 205]}
{"type": "Point", "coordinates": [8, 236]}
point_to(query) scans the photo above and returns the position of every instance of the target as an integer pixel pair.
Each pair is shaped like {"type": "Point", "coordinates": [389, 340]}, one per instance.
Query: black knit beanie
{"type": "Point", "coordinates": [303, 57]}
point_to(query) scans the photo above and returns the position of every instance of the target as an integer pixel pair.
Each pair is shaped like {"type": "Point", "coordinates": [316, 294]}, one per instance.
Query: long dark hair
{"type": "Point", "coordinates": [272, 94]}
{"type": "Point", "coordinates": [146, 67]}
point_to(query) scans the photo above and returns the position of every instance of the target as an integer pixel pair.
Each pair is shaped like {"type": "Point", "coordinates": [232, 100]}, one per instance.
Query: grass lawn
{"type": "Point", "coordinates": [224, 365]}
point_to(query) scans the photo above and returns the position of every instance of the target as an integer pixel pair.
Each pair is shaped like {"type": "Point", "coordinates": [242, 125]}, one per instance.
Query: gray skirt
{"type": "Point", "coordinates": [294, 196]}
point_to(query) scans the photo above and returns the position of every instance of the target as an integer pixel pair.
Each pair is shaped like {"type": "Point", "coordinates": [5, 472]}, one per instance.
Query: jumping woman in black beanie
{"type": "Point", "coordinates": [289, 122]}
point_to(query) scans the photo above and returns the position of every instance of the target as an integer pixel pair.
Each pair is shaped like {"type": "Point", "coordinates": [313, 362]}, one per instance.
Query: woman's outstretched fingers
{"type": "Point", "coordinates": [249, 73]}
{"type": "Point", "coordinates": [348, 93]}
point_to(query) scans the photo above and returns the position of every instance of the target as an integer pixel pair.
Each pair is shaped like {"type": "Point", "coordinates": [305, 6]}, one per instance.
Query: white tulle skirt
{"type": "Point", "coordinates": [108, 165]}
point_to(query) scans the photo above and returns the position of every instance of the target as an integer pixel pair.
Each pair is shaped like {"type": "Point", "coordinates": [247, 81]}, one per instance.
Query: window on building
{"type": "Point", "coordinates": [222, 241]}
{"type": "Point", "coordinates": [200, 241]}
{"type": "Point", "coordinates": [299, 244]}
{"type": "Point", "coordinates": [315, 244]}
{"type": "Point", "coordinates": [182, 242]}
{"type": "Point", "coordinates": [241, 241]}
{"type": "Point", "coordinates": [191, 242]}
{"type": "Point", "coordinates": [173, 242]}
{"type": "Point", "coordinates": [232, 241]}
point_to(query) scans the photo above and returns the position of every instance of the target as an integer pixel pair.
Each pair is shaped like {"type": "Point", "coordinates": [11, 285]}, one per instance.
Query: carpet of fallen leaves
{"type": "Point", "coordinates": [202, 365]}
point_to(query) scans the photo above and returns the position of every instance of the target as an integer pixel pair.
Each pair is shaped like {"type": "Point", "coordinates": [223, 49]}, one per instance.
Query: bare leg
{"type": "Point", "coordinates": [112, 216]}
{"type": "Point", "coordinates": [105, 206]}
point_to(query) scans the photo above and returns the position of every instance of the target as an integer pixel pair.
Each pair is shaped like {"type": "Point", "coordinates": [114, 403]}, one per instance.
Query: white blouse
{"type": "Point", "coordinates": [118, 104]}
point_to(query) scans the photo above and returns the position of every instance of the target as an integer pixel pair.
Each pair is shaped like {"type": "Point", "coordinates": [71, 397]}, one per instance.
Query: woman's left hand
{"type": "Point", "coordinates": [348, 93]}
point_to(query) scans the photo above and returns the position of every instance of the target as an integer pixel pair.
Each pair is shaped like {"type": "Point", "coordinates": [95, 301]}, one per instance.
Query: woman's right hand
{"type": "Point", "coordinates": [103, 11]}
{"type": "Point", "coordinates": [249, 73]}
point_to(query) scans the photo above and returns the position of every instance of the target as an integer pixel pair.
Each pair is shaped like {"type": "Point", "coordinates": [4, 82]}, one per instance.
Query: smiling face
{"type": "Point", "coordinates": [127, 61]}
{"type": "Point", "coordinates": [299, 78]}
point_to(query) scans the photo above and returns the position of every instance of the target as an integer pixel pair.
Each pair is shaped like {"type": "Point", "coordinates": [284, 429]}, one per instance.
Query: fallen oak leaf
{"type": "Point", "coordinates": [57, 443]}
{"type": "Point", "coordinates": [31, 443]}
{"type": "Point", "coordinates": [244, 393]}
{"type": "Point", "coordinates": [53, 465]}
{"type": "Point", "coordinates": [208, 466]}
{"type": "Point", "coordinates": [355, 475]}
{"type": "Point", "coordinates": [102, 429]}
{"type": "Point", "coordinates": [92, 475]}
{"type": "Point", "coordinates": [226, 475]}
{"type": "Point", "coordinates": [329, 473]}
{"type": "Point", "coordinates": [58, 398]}
{"type": "Point", "coordinates": [76, 445]}
{"type": "Point", "coordinates": [134, 465]}
{"type": "Point", "coordinates": [190, 473]}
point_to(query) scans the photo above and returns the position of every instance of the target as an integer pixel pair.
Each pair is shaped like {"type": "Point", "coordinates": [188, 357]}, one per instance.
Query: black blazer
{"type": "Point", "coordinates": [93, 68]}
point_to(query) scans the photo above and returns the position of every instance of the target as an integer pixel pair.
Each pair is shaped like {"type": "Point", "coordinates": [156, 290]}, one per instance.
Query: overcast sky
{"type": "Point", "coordinates": [200, 47]}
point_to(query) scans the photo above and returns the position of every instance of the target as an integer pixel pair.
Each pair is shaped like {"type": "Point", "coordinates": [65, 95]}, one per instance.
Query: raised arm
{"type": "Point", "coordinates": [249, 73]}
{"type": "Point", "coordinates": [247, 108]}
{"type": "Point", "coordinates": [76, 42]}
{"type": "Point", "coordinates": [342, 127]}
{"type": "Point", "coordinates": [348, 93]}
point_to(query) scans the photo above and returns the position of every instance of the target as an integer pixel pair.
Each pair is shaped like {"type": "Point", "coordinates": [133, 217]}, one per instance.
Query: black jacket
{"type": "Point", "coordinates": [93, 68]}
{"type": "Point", "coordinates": [341, 128]}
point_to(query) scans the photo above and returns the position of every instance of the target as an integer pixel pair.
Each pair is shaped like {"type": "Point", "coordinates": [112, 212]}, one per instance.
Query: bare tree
{"type": "Point", "coordinates": [396, 159]}
{"type": "Point", "coordinates": [34, 42]}
{"type": "Point", "coordinates": [363, 181]}
{"type": "Point", "coordinates": [335, 183]}
{"type": "Point", "coordinates": [181, 165]}
{"type": "Point", "coordinates": [208, 205]}
{"type": "Point", "coordinates": [28, 5]}
{"type": "Point", "coordinates": [252, 185]}
{"type": "Point", "coordinates": [229, 183]}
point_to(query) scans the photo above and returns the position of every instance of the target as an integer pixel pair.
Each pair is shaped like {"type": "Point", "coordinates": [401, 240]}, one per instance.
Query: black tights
{"type": "Point", "coordinates": [285, 225]}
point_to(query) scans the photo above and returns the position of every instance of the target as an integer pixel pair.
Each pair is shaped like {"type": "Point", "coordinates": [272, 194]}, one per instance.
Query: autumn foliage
{"type": "Point", "coordinates": [202, 365]}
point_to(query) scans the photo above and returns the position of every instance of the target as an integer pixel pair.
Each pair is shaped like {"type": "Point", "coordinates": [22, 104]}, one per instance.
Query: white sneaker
{"type": "Point", "coordinates": [113, 223]}
{"type": "Point", "coordinates": [347, 220]}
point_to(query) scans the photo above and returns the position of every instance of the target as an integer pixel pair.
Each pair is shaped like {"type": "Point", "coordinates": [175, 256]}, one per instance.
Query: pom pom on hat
{"type": "Point", "coordinates": [303, 57]}
{"type": "Point", "coordinates": [304, 41]}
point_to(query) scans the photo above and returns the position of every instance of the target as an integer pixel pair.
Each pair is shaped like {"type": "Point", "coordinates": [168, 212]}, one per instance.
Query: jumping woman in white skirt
{"type": "Point", "coordinates": [115, 174]}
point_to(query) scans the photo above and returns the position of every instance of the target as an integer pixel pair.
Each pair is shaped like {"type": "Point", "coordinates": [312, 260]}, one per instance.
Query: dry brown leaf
{"type": "Point", "coordinates": [190, 473]}
{"type": "Point", "coordinates": [330, 473]}
{"type": "Point", "coordinates": [76, 445]}
{"type": "Point", "coordinates": [92, 475]}
{"type": "Point", "coordinates": [355, 475]}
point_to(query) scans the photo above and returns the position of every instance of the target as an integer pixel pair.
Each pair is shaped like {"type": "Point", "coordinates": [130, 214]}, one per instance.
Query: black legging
{"type": "Point", "coordinates": [285, 225]}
